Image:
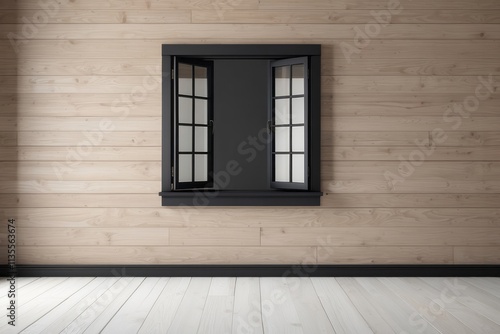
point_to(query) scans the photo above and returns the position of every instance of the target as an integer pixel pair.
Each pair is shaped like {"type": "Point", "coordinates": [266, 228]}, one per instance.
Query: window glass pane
{"type": "Point", "coordinates": [185, 168]}
{"type": "Point", "coordinates": [298, 79]}
{"type": "Point", "coordinates": [282, 111]}
{"type": "Point", "coordinates": [185, 110]}
{"type": "Point", "coordinates": [282, 168]}
{"type": "Point", "coordinates": [185, 139]}
{"type": "Point", "coordinates": [298, 107]}
{"type": "Point", "coordinates": [282, 81]}
{"type": "Point", "coordinates": [201, 139]}
{"type": "Point", "coordinates": [298, 139]}
{"type": "Point", "coordinates": [200, 167]}
{"type": "Point", "coordinates": [200, 81]}
{"type": "Point", "coordinates": [298, 171]}
{"type": "Point", "coordinates": [200, 111]}
{"type": "Point", "coordinates": [282, 139]}
{"type": "Point", "coordinates": [185, 79]}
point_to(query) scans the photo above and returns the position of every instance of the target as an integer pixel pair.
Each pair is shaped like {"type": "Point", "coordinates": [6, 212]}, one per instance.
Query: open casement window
{"type": "Point", "coordinates": [193, 119]}
{"type": "Point", "coordinates": [289, 124]}
{"type": "Point", "coordinates": [241, 125]}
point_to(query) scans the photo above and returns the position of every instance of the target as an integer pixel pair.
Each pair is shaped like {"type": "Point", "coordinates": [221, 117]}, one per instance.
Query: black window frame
{"type": "Point", "coordinates": [172, 195]}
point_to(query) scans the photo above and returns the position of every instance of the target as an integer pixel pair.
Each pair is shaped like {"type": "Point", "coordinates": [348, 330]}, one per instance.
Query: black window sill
{"type": "Point", "coordinates": [203, 197]}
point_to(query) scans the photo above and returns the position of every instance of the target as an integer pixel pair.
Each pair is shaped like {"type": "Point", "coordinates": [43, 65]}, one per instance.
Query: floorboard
{"type": "Point", "coordinates": [242, 305]}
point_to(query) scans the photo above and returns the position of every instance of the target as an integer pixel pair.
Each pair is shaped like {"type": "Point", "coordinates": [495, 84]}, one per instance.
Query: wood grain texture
{"type": "Point", "coordinates": [253, 217]}
{"type": "Point", "coordinates": [92, 237]}
{"type": "Point", "coordinates": [473, 255]}
{"type": "Point", "coordinates": [215, 236]}
{"type": "Point", "coordinates": [80, 141]}
{"type": "Point", "coordinates": [165, 255]}
{"type": "Point", "coordinates": [386, 255]}
{"type": "Point", "coordinates": [411, 236]}
{"type": "Point", "coordinates": [274, 31]}
{"type": "Point", "coordinates": [339, 16]}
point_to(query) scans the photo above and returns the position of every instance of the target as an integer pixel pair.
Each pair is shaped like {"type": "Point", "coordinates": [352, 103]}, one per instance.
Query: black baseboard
{"type": "Point", "coordinates": [252, 271]}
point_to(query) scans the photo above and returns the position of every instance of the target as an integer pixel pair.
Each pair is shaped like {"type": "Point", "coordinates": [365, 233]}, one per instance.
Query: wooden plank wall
{"type": "Point", "coordinates": [407, 180]}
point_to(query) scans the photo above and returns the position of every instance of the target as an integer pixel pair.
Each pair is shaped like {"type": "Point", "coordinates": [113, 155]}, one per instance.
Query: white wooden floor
{"type": "Point", "coordinates": [254, 305]}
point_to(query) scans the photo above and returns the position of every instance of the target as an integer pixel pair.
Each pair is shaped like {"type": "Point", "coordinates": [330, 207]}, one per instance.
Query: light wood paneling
{"type": "Point", "coordinates": [80, 134]}
{"type": "Point", "coordinates": [410, 236]}
{"type": "Point", "coordinates": [360, 16]}
{"type": "Point", "coordinates": [361, 153]}
{"type": "Point", "coordinates": [385, 255]}
{"type": "Point", "coordinates": [215, 236]}
{"type": "Point", "coordinates": [410, 200]}
{"type": "Point", "coordinates": [254, 217]}
{"type": "Point", "coordinates": [74, 169]}
{"type": "Point", "coordinates": [122, 140]}
{"type": "Point", "coordinates": [132, 4]}
{"type": "Point", "coordinates": [274, 31]}
{"type": "Point", "coordinates": [91, 16]}
{"type": "Point", "coordinates": [172, 254]}
{"type": "Point", "coordinates": [97, 153]}
{"type": "Point", "coordinates": [93, 125]}
{"type": "Point", "coordinates": [475, 255]}
{"type": "Point", "coordinates": [414, 123]}
{"type": "Point", "coordinates": [92, 236]}
{"type": "Point", "coordinates": [416, 186]}
{"type": "Point", "coordinates": [79, 187]}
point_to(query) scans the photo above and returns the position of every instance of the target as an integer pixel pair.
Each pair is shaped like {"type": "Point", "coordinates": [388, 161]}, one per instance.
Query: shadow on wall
{"type": "Point", "coordinates": [8, 126]}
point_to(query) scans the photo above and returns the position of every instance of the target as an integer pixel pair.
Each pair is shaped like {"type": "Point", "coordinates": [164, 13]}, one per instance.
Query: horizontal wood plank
{"type": "Point", "coordinates": [452, 122]}
{"type": "Point", "coordinates": [410, 67]}
{"type": "Point", "coordinates": [376, 49]}
{"type": "Point", "coordinates": [74, 140]}
{"type": "Point", "coordinates": [385, 255]}
{"type": "Point", "coordinates": [76, 67]}
{"type": "Point", "coordinates": [359, 16]}
{"type": "Point", "coordinates": [253, 218]}
{"type": "Point", "coordinates": [379, 236]}
{"type": "Point", "coordinates": [394, 139]}
{"type": "Point", "coordinates": [257, 217]}
{"type": "Point", "coordinates": [80, 200]}
{"type": "Point", "coordinates": [131, 255]}
{"type": "Point", "coordinates": [92, 127]}
{"type": "Point", "coordinates": [412, 186]}
{"type": "Point", "coordinates": [92, 236]}
{"type": "Point", "coordinates": [79, 187]}
{"type": "Point", "coordinates": [427, 84]}
{"type": "Point", "coordinates": [132, 4]}
{"type": "Point", "coordinates": [86, 151]}
{"type": "Point", "coordinates": [423, 4]}
{"type": "Point", "coordinates": [200, 236]}
{"type": "Point", "coordinates": [410, 200]}
{"type": "Point", "coordinates": [372, 138]}
{"type": "Point", "coordinates": [137, 87]}
{"type": "Point", "coordinates": [70, 105]}
{"type": "Point", "coordinates": [420, 170]}
{"type": "Point", "coordinates": [96, 16]}
{"type": "Point", "coordinates": [272, 31]}
{"type": "Point", "coordinates": [365, 153]}
{"type": "Point", "coordinates": [76, 168]}
{"type": "Point", "coordinates": [477, 255]}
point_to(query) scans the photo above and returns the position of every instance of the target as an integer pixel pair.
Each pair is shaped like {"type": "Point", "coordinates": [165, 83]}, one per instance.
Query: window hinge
{"type": "Point", "coordinates": [171, 186]}
{"type": "Point", "coordinates": [172, 171]}
{"type": "Point", "coordinates": [173, 74]}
